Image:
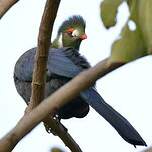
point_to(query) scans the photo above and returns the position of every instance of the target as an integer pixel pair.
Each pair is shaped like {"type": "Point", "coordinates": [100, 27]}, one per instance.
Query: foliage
{"type": "Point", "coordinates": [133, 43]}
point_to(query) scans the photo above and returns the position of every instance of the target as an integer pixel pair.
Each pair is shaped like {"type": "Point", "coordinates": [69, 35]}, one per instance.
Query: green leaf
{"type": "Point", "coordinates": [108, 12]}
{"type": "Point", "coordinates": [145, 22]}
{"type": "Point", "coordinates": [129, 47]}
{"type": "Point", "coordinates": [135, 43]}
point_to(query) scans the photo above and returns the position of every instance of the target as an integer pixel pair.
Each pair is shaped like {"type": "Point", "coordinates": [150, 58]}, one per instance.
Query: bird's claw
{"type": "Point", "coordinates": [49, 130]}
{"type": "Point", "coordinates": [57, 121]}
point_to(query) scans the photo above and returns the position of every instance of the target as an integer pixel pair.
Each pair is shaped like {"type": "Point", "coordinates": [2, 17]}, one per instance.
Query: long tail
{"type": "Point", "coordinates": [122, 125]}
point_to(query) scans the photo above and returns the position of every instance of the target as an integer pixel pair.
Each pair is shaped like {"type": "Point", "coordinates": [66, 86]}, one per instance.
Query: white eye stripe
{"type": "Point", "coordinates": [75, 33]}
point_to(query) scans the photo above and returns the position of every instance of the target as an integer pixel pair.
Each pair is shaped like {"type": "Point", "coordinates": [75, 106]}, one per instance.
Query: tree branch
{"type": "Point", "coordinates": [147, 149]}
{"type": "Point", "coordinates": [61, 132]}
{"type": "Point", "coordinates": [5, 5]}
{"type": "Point", "coordinates": [55, 101]}
{"type": "Point", "coordinates": [38, 81]}
{"type": "Point", "coordinates": [44, 40]}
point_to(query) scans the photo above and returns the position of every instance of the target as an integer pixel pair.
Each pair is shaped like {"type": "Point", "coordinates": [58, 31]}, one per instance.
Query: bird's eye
{"type": "Point", "coordinates": [72, 32]}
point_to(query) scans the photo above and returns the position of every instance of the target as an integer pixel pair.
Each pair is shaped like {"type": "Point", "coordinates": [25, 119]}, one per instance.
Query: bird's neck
{"type": "Point", "coordinates": [59, 42]}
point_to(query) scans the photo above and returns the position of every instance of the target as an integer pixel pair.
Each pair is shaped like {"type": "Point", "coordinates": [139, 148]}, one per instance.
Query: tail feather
{"type": "Point", "coordinates": [122, 125]}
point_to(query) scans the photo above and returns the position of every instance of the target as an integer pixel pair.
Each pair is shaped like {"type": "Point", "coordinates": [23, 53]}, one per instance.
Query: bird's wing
{"type": "Point", "coordinates": [24, 66]}
{"type": "Point", "coordinates": [122, 125]}
{"type": "Point", "coordinates": [60, 64]}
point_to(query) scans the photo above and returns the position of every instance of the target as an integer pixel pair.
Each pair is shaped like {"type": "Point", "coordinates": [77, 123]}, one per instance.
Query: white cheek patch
{"type": "Point", "coordinates": [60, 43]}
{"type": "Point", "coordinates": [75, 33]}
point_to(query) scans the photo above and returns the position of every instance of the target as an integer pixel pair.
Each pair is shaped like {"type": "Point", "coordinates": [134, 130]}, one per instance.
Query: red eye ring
{"type": "Point", "coordinates": [70, 30]}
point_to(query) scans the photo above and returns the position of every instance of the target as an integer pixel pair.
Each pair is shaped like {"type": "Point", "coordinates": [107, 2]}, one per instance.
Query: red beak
{"type": "Point", "coordinates": [83, 37]}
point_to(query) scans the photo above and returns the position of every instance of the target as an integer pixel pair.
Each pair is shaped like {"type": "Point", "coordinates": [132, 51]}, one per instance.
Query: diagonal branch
{"type": "Point", "coordinates": [55, 101]}
{"type": "Point", "coordinates": [5, 5]}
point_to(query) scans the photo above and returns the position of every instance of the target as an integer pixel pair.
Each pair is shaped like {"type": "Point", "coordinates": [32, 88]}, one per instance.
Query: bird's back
{"type": "Point", "coordinates": [23, 78]}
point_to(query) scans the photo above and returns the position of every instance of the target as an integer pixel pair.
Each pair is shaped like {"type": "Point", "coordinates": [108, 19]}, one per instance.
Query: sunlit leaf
{"type": "Point", "coordinates": [145, 22]}
{"type": "Point", "coordinates": [108, 12]}
{"type": "Point", "coordinates": [129, 46]}
{"type": "Point", "coordinates": [135, 40]}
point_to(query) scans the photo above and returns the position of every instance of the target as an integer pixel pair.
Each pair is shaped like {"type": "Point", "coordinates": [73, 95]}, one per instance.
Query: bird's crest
{"type": "Point", "coordinates": [72, 22]}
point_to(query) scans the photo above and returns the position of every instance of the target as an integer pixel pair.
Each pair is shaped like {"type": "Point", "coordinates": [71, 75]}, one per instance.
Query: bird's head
{"type": "Point", "coordinates": [71, 33]}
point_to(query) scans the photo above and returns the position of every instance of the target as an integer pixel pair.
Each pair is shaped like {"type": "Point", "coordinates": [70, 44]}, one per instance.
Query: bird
{"type": "Point", "coordinates": [64, 63]}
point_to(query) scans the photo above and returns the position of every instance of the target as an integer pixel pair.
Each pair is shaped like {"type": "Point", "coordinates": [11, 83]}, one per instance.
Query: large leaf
{"type": "Point", "coordinates": [145, 22]}
{"type": "Point", "coordinates": [108, 12]}
{"type": "Point", "coordinates": [129, 47]}
{"type": "Point", "coordinates": [132, 44]}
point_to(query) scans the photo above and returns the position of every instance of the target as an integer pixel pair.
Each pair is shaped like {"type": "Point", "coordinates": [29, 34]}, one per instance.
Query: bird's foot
{"type": "Point", "coordinates": [49, 130]}
{"type": "Point", "coordinates": [57, 122]}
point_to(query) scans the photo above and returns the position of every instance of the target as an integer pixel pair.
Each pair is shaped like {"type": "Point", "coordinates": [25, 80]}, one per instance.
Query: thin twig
{"type": "Point", "coordinates": [55, 101]}
{"type": "Point", "coordinates": [61, 132]}
{"type": "Point", "coordinates": [5, 5]}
